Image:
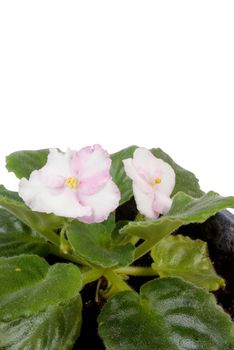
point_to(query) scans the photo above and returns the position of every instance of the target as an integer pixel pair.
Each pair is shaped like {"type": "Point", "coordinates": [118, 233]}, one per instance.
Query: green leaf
{"type": "Point", "coordinates": [184, 210]}
{"type": "Point", "coordinates": [183, 257]}
{"type": "Point", "coordinates": [169, 314]}
{"type": "Point", "coordinates": [22, 163]}
{"type": "Point", "coordinates": [118, 173]}
{"type": "Point", "coordinates": [196, 210]}
{"type": "Point", "coordinates": [29, 285]}
{"type": "Point", "coordinates": [17, 238]}
{"type": "Point", "coordinates": [115, 234]}
{"type": "Point", "coordinates": [185, 180]}
{"type": "Point", "coordinates": [93, 243]}
{"type": "Point", "coordinates": [110, 222]}
{"type": "Point", "coordinates": [43, 223]}
{"type": "Point", "coordinates": [55, 328]}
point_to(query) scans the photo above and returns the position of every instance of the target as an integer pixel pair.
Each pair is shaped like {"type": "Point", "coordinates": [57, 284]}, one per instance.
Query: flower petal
{"type": "Point", "coordinates": [57, 168]}
{"type": "Point", "coordinates": [144, 202]}
{"type": "Point", "coordinates": [168, 178]}
{"type": "Point", "coordinates": [102, 202]}
{"type": "Point", "coordinates": [90, 162]}
{"type": "Point", "coordinates": [162, 203]}
{"type": "Point", "coordinates": [138, 180]}
{"type": "Point", "coordinates": [152, 167]}
{"type": "Point", "coordinates": [39, 197]}
{"type": "Point", "coordinates": [92, 184]}
{"type": "Point", "coordinates": [146, 164]}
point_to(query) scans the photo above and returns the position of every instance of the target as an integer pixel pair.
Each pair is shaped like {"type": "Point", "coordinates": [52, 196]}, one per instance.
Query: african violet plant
{"type": "Point", "coordinates": [66, 208]}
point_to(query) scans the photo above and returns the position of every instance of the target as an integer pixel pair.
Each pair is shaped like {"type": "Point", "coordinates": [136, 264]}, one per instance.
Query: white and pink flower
{"type": "Point", "coordinates": [153, 182]}
{"type": "Point", "coordinates": [73, 184]}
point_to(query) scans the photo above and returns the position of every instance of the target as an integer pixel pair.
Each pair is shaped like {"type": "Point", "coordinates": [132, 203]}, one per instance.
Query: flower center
{"type": "Point", "coordinates": [72, 183]}
{"type": "Point", "coordinates": [156, 181]}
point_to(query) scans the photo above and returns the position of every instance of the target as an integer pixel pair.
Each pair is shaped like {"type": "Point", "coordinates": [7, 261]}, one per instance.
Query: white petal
{"type": "Point", "coordinates": [167, 177]}
{"type": "Point", "coordinates": [162, 203]}
{"type": "Point", "coordinates": [91, 161]}
{"type": "Point", "coordinates": [152, 167]}
{"type": "Point", "coordinates": [102, 202]}
{"type": "Point", "coordinates": [144, 202]}
{"type": "Point", "coordinates": [58, 166]}
{"type": "Point", "coordinates": [38, 197]}
{"type": "Point", "coordinates": [132, 172]}
{"type": "Point", "coordinates": [146, 163]}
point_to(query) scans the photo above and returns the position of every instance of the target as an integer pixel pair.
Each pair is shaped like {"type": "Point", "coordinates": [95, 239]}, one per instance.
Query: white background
{"type": "Point", "coordinates": [151, 73]}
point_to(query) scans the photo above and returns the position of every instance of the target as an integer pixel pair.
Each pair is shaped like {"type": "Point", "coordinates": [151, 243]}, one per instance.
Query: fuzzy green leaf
{"type": "Point", "coordinates": [43, 223]}
{"type": "Point", "coordinates": [55, 328]}
{"type": "Point", "coordinates": [17, 238]}
{"type": "Point", "coordinates": [118, 173]}
{"type": "Point", "coordinates": [29, 285]}
{"type": "Point", "coordinates": [22, 163]}
{"type": "Point", "coordinates": [183, 257]}
{"type": "Point", "coordinates": [185, 210]}
{"type": "Point", "coordinates": [169, 314]}
{"type": "Point", "coordinates": [94, 243]}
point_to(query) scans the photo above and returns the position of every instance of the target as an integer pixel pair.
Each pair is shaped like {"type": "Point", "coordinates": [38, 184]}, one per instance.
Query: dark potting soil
{"type": "Point", "coordinates": [218, 232]}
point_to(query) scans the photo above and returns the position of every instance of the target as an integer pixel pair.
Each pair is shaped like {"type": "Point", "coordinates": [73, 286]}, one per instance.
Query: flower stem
{"type": "Point", "coordinates": [70, 257]}
{"type": "Point", "coordinates": [144, 248]}
{"type": "Point", "coordinates": [91, 275]}
{"type": "Point", "coordinates": [64, 244]}
{"type": "Point", "coordinates": [116, 281]}
{"type": "Point", "coordinates": [136, 271]}
{"type": "Point", "coordinates": [50, 236]}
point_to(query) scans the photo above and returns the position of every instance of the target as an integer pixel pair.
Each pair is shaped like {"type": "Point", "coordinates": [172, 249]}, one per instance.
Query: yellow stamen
{"type": "Point", "coordinates": [72, 182]}
{"type": "Point", "coordinates": [17, 269]}
{"type": "Point", "coordinates": [156, 181]}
